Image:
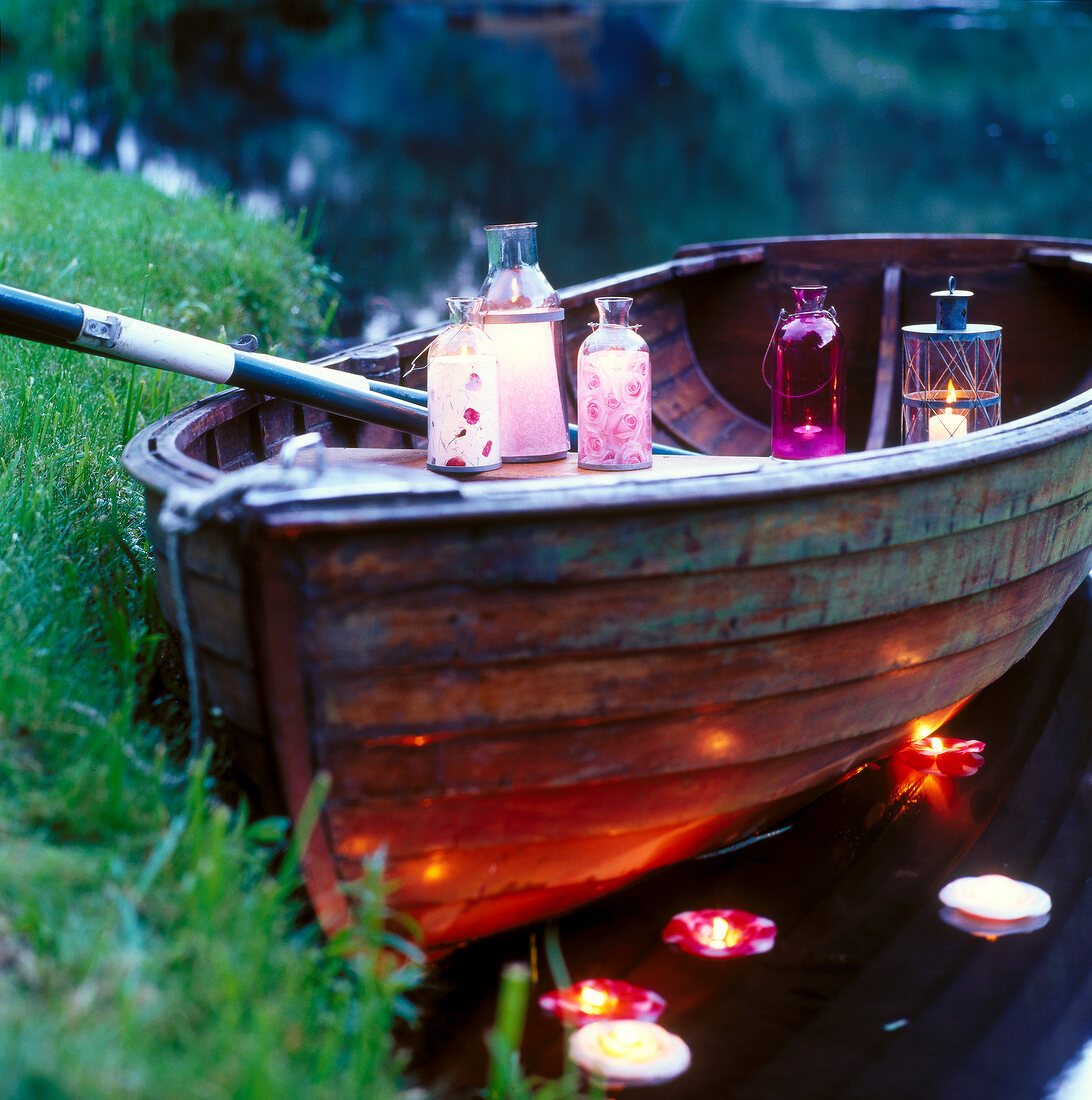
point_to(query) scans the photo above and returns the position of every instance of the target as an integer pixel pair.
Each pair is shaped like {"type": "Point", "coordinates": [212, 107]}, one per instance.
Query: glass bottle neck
{"type": "Point", "coordinates": [614, 311]}
{"type": "Point", "coordinates": [809, 299]}
{"type": "Point", "coordinates": [512, 245]}
{"type": "Point", "coordinates": [465, 311]}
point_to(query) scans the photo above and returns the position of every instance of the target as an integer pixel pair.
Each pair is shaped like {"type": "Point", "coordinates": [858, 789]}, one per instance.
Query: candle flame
{"type": "Point", "coordinates": [951, 395]}
{"type": "Point", "coordinates": [628, 1039]}
{"type": "Point", "coordinates": [721, 934]}
{"type": "Point", "coordinates": [594, 998]}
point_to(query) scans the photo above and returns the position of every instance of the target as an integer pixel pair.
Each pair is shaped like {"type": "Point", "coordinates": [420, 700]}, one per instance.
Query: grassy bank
{"type": "Point", "coordinates": [145, 947]}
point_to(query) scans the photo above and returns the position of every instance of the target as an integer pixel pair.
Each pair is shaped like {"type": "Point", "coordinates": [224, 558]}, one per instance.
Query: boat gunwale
{"type": "Point", "coordinates": [352, 502]}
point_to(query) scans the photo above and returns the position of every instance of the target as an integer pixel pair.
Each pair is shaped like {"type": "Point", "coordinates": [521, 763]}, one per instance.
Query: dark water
{"type": "Point", "coordinates": [624, 129]}
{"type": "Point", "coordinates": [868, 993]}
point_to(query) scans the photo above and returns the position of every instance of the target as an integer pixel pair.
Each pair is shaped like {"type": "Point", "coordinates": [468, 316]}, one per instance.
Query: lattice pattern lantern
{"type": "Point", "coordinates": [951, 382]}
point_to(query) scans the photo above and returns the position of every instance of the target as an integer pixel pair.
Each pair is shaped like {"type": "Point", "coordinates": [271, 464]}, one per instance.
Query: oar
{"type": "Point", "coordinates": [45, 320]}
{"type": "Point", "coordinates": [85, 328]}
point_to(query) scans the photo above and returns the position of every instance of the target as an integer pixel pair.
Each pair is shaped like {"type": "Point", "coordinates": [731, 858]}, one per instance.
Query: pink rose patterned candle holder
{"type": "Point", "coordinates": [614, 393]}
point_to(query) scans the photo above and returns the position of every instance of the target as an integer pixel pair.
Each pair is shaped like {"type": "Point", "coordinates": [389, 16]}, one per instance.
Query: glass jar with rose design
{"type": "Point", "coordinates": [614, 393]}
{"type": "Point", "coordinates": [463, 405]}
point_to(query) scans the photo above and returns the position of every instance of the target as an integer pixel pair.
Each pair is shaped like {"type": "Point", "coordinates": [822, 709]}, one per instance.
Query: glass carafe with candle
{"type": "Point", "coordinates": [808, 406]}
{"type": "Point", "coordinates": [614, 393]}
{"type": "Point", "coordinates": [463, 400]}
{"type": "Point", "coordinates": [523, 316]}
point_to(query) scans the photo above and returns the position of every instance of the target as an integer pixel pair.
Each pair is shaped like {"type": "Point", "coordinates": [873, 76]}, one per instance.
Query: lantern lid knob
{"type": "Point", "coordinates": [952, 307]}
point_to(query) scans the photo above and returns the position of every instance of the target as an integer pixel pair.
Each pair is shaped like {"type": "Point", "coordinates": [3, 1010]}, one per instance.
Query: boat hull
{"type": "Point", "coordinates": [529, 691]}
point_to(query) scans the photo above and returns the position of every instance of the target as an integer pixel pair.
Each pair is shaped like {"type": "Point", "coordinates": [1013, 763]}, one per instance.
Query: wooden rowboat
{"type": "Point", "coordinates": [534, 686]}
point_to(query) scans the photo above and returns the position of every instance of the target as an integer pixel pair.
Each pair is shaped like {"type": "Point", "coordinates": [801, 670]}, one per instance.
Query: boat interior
{"type": "Point", "coordinates": [708, 315]}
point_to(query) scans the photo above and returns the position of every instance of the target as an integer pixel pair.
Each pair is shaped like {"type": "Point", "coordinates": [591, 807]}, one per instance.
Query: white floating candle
{"type": "Point", "coordinates": [629, 1052]}
{"type": "Point", "coordinates": [996, 898]}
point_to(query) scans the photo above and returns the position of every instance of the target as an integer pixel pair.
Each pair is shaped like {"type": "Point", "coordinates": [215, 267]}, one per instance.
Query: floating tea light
{"type": "Point", "coordinates": [951, 381]}
{"type": "Point", "coordinates": [629, 1052]}
{"type": "Point", "coordinates": [997, 899]}
{"type": "Point", "coordinates": [946, 756]}
{"type": "Point", "coordinates": [602, 999]}
{"type": "Point", "coordinates": [720, 933]}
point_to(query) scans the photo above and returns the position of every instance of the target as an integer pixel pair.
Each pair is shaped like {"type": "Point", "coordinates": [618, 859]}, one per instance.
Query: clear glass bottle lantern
{"type": "Point", "coordinates": [524, 318]}
{"type": "Point", "coordinates": [463, 399]}
{"type": "Point", "coordinates": [951, 380]}
{"type": "Point", "coordinates": [614, 393]}
{"type": "Point", "coordinates": [808, 402]}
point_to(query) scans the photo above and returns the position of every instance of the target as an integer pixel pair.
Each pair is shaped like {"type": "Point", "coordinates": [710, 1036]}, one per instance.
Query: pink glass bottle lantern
{"type": "Point", "coordinates": [614, 393]}
{"type": "Point", "coordinates": [463, 402]}
{"type": "Point", "coordinates": [951, 379]}
{"type": "Point", "coordinates": [808, 405]}
{"type": "Point", "coordinates": [524, 319]}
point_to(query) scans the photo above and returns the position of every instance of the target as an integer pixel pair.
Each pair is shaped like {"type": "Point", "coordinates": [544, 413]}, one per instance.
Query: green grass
{"type": "Point", "coordinates": [147, 949]}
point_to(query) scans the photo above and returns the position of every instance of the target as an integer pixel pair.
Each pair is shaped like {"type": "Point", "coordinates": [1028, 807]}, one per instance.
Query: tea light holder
{"type": "Point", "coordinates": [629, 1052]}
{"type": "Point", "coordinates": [602, 999]}
{"type": "Point", "coordinates": [951, 382]}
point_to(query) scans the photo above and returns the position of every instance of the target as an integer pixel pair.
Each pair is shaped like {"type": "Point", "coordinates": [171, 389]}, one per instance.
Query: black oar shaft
{"type": "Point", "coordinates": [335, 391]}
{"type": "Point", "coordinates": [36, 317]}
{"type": "Point", "coordinates": [27, 312]}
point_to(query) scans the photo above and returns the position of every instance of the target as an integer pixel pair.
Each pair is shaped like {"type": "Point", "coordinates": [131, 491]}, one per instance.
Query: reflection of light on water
{"type": "Point", "coordinates": [1075, 1081]}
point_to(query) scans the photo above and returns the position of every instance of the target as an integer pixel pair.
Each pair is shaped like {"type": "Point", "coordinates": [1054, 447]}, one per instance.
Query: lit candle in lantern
{"type": "Point", "coordinates": [950, 423]}
{"type": "Point", "coordinates": [720, 933]}
{"type": "Point", "coordinates": [947, 756]}
{"type": "Point", "coordinates": [995, 898]}
{"type": "Point", "coordinates": [602, 999]}
{"type": "Point", "coordinates": [629, 1052]}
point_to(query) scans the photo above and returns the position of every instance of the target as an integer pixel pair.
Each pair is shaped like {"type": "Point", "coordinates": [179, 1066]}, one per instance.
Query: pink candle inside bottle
{"type": "Point", "coordinates": [808, 408]}
{"type": "Point", "coordinates": [614, 393]}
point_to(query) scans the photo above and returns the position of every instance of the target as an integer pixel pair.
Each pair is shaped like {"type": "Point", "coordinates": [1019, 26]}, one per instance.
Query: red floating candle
{"type": "Point", "coordinates": [602, 999]}
{"type": "Point", "coordinates": [720, 933]}
{"type": "Point", "coordinates": [946, 756]}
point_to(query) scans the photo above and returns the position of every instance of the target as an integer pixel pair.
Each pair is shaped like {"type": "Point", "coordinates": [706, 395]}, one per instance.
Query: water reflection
{"type": "Point", "coordinates": [624, 129]}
